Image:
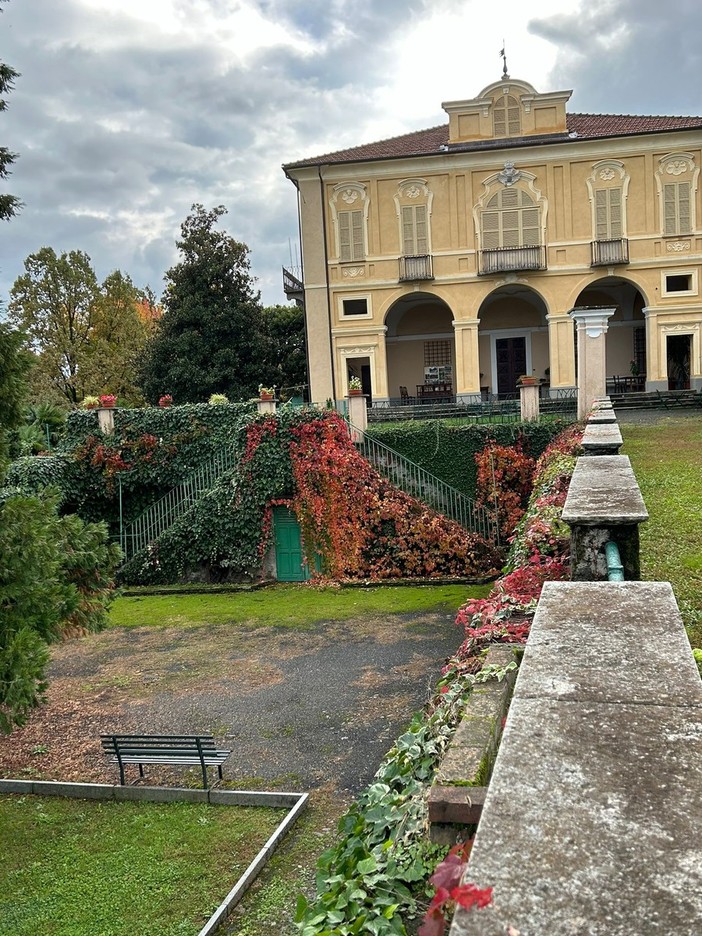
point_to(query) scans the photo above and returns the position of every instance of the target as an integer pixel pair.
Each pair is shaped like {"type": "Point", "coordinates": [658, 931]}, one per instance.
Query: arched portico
{"type": "Point", "coordinates": [626, 344]}
{"type": "Point", "coordinates": [420, 345]}
{"type": "Point", "coordinates": [512, 338]}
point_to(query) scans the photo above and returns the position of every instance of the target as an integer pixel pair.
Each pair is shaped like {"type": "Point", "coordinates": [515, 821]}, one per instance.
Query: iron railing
{"type": "Point", "coordinates": [504, 259]}
{"type": "Point", "coordinates": [292, 283]}
{"type": "Point", "coordinates": [416, 268]}
{"type": "Point", "coordinates": [156, 519]}
{"type": "Point", "coordinates": [417, 482]}
{"type": "Point", "coordinates": [608, 252]}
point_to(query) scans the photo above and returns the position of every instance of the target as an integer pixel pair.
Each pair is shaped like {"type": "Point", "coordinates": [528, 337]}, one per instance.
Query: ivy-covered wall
{"type": "Point", "coordinates": [151, 451]}
{"type": "Point", "coordinates": [449, 451]}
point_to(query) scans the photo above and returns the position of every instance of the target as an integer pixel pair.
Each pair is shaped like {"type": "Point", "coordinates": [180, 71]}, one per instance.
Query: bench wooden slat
{"type": "Point", "coordinates": [164, 749]}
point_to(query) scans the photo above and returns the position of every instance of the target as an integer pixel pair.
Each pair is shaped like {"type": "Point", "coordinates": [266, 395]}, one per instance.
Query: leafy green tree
{"type": "Point", "coordinates": [85, 336]}
{"type": "Point", "coordinates": [55, 571]}
{"type": "Point", "coordinates": [209, 339]}
{"type": "Point", "coordinates": [9, 204]}
{"type": "Point", "coordinates": [284, 362]}
{"type": "Point", "coordinates": [16, 365]}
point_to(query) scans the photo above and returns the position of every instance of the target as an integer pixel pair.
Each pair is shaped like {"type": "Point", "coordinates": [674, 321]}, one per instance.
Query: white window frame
{"type": "Point", "coordinates": [352, 297]}
{"type": "Point", "coordinates": [350, 197]}
{"type": "Point", "coordinates": [675, 293]}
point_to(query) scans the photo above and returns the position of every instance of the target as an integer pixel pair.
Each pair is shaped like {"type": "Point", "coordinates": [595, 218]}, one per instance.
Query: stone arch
{"type": "Point", "coordinates": [419, 336]}
{"type": "Point", "coordinates": [512, 337]}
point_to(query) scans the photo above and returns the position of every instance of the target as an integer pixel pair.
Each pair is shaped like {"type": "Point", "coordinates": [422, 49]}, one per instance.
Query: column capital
{"type": "Point", "coordinates": [593, 319]}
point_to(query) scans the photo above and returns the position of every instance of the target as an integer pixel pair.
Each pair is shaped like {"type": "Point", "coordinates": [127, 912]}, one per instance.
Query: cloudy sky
{"type": "Point", "coordinates": [128, 112]}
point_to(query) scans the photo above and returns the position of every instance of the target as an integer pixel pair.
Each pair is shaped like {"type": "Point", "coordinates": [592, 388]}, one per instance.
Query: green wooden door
{"type": "Point", "coordinates": [288, 547]}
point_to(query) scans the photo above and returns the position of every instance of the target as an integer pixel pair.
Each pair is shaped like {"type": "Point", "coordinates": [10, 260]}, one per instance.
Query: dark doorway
{"type": "Point", "coordinates": [679, 362]}
{"type": "Point", "coordinates": [510, 354]}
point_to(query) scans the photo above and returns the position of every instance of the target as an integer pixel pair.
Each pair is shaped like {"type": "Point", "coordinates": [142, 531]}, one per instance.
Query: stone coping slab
{"type": "Point", "coordinates": [602, 439]}
{"type": "Point", "coordinates": [609, 642]}
{"type": "Point", "coordinates": [591, 825]}
{"type": "Point", "coordinates": [604, 415]}
{"type": "Point", "coordinates": [295, 803]}
{"type": "Point", "coordinates": [603, 491]}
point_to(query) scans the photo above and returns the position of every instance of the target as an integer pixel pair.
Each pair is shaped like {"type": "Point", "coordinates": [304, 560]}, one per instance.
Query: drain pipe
{"type": "Point", "coordinates": [615, 569]}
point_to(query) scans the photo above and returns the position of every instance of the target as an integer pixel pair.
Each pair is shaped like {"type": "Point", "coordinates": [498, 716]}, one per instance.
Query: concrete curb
{"type": "Point", "coordinates": [296, 803]}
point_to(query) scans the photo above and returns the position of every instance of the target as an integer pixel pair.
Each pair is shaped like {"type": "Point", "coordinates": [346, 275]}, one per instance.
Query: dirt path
{"type": "Point", "coordinates": [300, 709]}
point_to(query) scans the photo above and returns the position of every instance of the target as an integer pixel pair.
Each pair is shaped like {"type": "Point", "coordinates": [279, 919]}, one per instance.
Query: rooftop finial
{"type": "Point", "coordinates": [503, 56]}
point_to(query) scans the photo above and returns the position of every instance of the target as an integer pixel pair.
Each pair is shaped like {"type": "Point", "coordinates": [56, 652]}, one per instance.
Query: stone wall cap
{"type": "Point", "coordinates": [604, 492]}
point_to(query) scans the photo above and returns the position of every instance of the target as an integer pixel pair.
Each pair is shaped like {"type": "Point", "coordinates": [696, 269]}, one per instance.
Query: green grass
{"type": "Point", "coordinates": [293, 606]}
{"type": "Point", "coordinates": [92, 868]}
{"type": "Point", "coordinates": [667, 460]}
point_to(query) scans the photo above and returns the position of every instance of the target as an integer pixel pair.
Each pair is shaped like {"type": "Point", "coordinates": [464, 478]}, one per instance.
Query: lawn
{"type": "Point", "coordinates": [667, 461]}
{"type": "Point", "coordinates": [92, 868]}
{"type": "Point", "coordinates": [292, 606]}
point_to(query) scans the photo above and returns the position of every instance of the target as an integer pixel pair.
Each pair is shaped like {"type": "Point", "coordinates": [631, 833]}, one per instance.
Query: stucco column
{"type": "Point", "coordinates": [358, 416]}
{"type": "Point", "coordinates": [529, 401]}
{"type": "Point", "coordinates": [591, 325]}
{"type": "Point", "coordinates": [467, 358]}
{"type": "Point", "coordinates": [561, 351]}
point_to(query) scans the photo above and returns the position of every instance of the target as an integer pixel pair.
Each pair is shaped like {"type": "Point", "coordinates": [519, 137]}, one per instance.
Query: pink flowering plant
{"type": "Point", "coordinates": [539, 552]}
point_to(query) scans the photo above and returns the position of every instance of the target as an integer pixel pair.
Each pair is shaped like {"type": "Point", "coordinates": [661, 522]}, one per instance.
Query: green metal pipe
{"type": "Point", "coordinates": [615, 569]}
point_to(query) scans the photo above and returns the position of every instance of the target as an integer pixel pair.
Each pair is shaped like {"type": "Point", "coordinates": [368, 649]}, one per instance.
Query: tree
{"type": "Point", "coordinates": [209, 338]}
{"type": "Point", "coordinates": [9, 204]}
{"type": "Point", "coordinates": [16, 365]}
{"type": "Point", "coordinates": [284, 359]}
{"type": "Point", "coordinates": [86, 336]}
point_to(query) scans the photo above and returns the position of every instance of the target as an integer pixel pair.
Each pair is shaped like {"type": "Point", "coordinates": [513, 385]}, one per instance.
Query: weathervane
{"type": "Point", "coordinates": [503, 56]}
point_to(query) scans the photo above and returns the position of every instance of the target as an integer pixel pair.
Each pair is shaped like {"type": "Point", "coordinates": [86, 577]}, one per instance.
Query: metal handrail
{"type": "Point", "coordinates": [156, 519]}
{"type": "Point", "coordinates": [417, 482]}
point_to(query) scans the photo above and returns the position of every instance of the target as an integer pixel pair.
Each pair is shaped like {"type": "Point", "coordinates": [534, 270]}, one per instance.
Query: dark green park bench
{"type": "Point", "coordinates": [182, 750]}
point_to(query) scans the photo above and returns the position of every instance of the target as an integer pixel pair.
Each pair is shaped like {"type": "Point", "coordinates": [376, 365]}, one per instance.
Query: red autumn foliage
{"type": "Point", "coordinates": [450, 893]}
{"type": "Point", "coordinates": [361, 525]}
{"type": "Point", "coordinates": [503, 483]}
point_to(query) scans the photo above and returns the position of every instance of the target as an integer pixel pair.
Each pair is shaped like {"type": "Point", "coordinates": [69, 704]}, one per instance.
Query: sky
{"type": "Point", "coordinates": [127, 113]}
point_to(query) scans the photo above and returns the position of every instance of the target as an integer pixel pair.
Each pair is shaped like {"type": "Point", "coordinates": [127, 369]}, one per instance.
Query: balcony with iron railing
{"type": "Point", "coordinates": [293, 287]}
{"type": "Point", "coordinates": [415, 268]}
{"type": "Point", "coordinates": [609, 252]}
{"type": "Point", "coordinates": [517, 259]}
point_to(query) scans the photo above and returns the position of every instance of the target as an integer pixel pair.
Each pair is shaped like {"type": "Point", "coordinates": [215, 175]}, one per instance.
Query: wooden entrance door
{"type": "Point", "coordinates": [511, 362]}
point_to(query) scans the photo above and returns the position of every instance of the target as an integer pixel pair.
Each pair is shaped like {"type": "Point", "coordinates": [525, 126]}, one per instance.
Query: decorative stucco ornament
{"type": "Point", "coordinates": [349, 196]}
{"type": "Point", "coordinates": [606, 174]}
{"type": "Point", "coordinates": [677, 167]}
{"type": "Point", "coordinates": [509, 174]}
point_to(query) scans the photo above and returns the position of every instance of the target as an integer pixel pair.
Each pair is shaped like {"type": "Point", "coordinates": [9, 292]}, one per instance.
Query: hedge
{"type": "Point", "coordinates": [449, 451]}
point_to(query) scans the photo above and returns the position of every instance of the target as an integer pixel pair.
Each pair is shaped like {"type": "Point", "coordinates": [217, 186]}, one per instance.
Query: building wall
{"type": "Point", "coordinates": [452, 186]}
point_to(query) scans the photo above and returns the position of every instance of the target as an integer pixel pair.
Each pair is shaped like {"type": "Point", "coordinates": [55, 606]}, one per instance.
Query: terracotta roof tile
{"type": "Point", "coordinates": [435, 140]}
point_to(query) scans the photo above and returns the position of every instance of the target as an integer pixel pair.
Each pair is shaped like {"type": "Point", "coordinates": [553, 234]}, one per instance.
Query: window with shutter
{"type": "Point", "coordinates": [608, 214]}
{"type": "Point", "coordinates": [676, 208]}
{"type": "Point", "coordinates": [511, 219]}
{"type": "Point", "coordinates": [351, 235]}
{"type": "Point", "coordinates": [415, 241]}
{"type": "Point", "coordinates": [506, 119]}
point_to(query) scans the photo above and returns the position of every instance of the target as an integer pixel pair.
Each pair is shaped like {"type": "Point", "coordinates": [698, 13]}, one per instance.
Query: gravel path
{"type": "Point", "coordinates": [300, 709]}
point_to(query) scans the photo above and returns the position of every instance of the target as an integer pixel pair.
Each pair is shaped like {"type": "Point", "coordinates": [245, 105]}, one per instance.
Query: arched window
{"type": "Point", "coordinates": [506, 119]}
{"type": "Point", "coordinates": [511, 218]}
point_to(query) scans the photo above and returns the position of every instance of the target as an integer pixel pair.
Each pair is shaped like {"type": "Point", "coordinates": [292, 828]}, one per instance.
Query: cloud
{"type": "Point", "coordinates": [628, 56]}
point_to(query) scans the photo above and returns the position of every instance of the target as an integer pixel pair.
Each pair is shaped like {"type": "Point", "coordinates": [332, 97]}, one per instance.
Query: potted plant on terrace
{"type": "Point", "coordinates": [355, 386]}
{"type": "Point", "coordinates": [266, 393]}
{"type": "Point", "coordinates": [108, 400]}
{"type": "Point", "coordinates": [165, 400]}
{"type": "Point", "coordinates": [90, 402]}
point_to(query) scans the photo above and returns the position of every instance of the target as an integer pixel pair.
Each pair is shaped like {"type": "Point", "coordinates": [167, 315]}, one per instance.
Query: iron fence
{"type": "Point", "coordinates": [419, 483]}
{"type": "Point", "coordinates": [156, 519]}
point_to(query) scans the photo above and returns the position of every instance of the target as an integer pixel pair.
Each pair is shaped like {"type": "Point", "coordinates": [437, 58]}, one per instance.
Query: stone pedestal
{"type": "Point", "coordinates": [266, 406]}
{"type": "Point", "coordinates": [106, 420]}
{"type": "Point", "coordinates": [591, 325]}
{"type": "Point", "coordinates": [529, 401]}
{"type": "Point", "coordinates": [358, 416]}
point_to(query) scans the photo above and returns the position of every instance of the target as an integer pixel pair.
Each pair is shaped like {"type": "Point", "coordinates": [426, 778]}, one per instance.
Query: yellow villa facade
{"type": "Point", "coordinates": [443, 264]}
